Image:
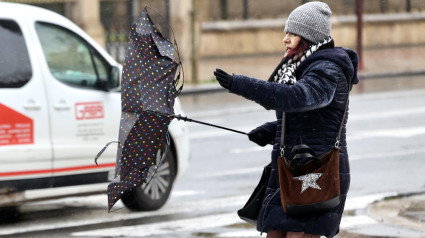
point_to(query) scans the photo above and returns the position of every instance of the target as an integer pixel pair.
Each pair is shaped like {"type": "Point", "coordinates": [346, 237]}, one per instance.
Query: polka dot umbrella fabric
{"type": "Point", "coordinates": [148, 94]}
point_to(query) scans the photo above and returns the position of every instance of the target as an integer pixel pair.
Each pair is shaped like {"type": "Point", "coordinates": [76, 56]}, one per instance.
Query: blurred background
{"type": "Point", "coordinates": [385, 130]}
{"type": "Point", "coordinates": [235, 33]}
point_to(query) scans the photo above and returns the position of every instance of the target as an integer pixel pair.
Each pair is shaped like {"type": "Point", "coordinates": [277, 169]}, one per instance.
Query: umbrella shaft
{"type": "Point", "coordinates": [179, 117]}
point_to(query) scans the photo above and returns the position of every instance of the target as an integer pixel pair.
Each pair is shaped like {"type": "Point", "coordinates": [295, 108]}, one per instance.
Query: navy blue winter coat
{"type": "Point", "coordinates": [314, 108]}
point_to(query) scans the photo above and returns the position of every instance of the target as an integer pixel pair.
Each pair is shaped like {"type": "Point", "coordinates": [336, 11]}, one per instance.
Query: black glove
{"type": "Point", "coordinates": [223, 78]}
{"type": "Point", "coordinates": [261, 136]}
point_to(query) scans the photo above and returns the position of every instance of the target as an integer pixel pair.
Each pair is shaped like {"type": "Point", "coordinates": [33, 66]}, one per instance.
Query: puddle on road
{"type": "Point", "coordinates": [204, 234]}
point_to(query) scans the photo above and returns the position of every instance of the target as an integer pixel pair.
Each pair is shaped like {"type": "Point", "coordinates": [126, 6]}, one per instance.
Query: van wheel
{"type": "Point", "coordinates": [154, 195]}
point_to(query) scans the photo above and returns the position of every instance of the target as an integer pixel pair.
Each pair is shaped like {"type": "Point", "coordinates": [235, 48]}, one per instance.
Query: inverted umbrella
{"type": "Point", "coordinates": [151, 75]}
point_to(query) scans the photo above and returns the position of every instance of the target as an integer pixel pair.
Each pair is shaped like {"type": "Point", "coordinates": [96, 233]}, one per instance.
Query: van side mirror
{"type": "Point", "coordinates": [115, 77]}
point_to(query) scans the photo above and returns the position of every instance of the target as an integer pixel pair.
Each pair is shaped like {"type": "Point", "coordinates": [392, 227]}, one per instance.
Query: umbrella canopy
{"type": "Point", "coordinates": [148, 94]}
{"type": "Point", "coordinates": [149, 89]}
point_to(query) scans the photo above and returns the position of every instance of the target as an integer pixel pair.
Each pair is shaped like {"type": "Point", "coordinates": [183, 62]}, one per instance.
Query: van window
{"type": "Point", "coordinates": [15, 65]}
{"type": "Point", "coordinates": [70, 58]}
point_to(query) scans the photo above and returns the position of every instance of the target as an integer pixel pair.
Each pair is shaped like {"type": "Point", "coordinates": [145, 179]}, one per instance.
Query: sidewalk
{"type": "Point", "coordinates": [379, 65]}
{"type": "Point", "coordinates": [402, 214]}
{"type": "Point", "coordinates": [406, 211]}
{"type": "Point", "coordinates": [375, 62]}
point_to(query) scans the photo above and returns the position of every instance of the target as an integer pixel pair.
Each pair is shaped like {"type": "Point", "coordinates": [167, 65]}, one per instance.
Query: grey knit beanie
{"type": "Point", "coordinates": [312, 21]}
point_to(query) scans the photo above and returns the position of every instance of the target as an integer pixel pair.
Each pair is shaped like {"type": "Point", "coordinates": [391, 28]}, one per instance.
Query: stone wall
{"type": "Point", "coordinates": [232, 38]}
{"type": "Point", "coordinates": [281, 9]}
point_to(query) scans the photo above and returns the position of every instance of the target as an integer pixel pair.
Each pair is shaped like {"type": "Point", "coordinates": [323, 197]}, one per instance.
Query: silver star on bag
{"type": "Point", "coordinates": [309, 181]}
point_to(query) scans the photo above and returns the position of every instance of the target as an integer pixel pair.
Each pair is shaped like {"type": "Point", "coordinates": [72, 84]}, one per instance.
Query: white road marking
{"type": "Point", "coordinates": [374, 156]}
{"type": "Point", "coordinates": [121, 215]}
{"type": "Point", "coordinates": [189, 206]}
{"type": "Point", "coordinates": [212, 221]}
{"type": "Point", "coordinates": [348, 222]}
{"type": "Point", "coordinates": [98, 200]}
{"type": "Point", "coordinates": [184, 193]}
{"type": "Point", "coordinates": [400, 132]}
{"type": "Point", "coordinates": [386, 114]}
{"type": "Point", "coordinates": [167, 227]}
{"type": "Point", "coordinates": [360, 202]}
{"type": "Point", "coordinates": [252, 232]}
{"type": "Point", "coordinates": [251, 149]}
{"type": "Point", "coordinates": [230, 172]}
{"type": "Point", "coordinates": [218, 132]}
{"type": "Point", "coordinates": [352, 157]}
{"type": "Point", "coordinates": [231, 110]}
{"type": "Point", "coordinates": [201, 223]}
{"type": "Point", "coordinates": [392, 132]}
{"type": "Point", "coordinates": [225, 219]}
{"type": "Point", "coordinates": [388, 154]}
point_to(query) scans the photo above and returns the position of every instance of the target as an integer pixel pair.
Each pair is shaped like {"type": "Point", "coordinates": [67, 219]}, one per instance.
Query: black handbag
{"type": "Point", "coordinates": [250, 211]}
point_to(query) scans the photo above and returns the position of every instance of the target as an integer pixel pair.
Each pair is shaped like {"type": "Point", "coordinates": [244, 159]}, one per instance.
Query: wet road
{"type": "Point", "coordinates": [386, 146]}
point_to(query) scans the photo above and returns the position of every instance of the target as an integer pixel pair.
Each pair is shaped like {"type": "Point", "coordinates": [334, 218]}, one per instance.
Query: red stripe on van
{"type": "Point", "coordinates": [44, 171]}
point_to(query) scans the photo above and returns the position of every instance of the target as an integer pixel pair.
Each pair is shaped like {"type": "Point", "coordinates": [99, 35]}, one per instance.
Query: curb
{"type": "Point", "coordinates": [402, 195]}
{"type": "Point", "coordinates": [392, 74]}
{"type": "Point", "coordinates": [389, 210]}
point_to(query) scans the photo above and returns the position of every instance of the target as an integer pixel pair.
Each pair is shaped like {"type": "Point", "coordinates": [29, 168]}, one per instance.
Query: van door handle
{"type": "Point", "coordinates": [32, 105]}
{"type": "Point", "coordinates": [61, 105]}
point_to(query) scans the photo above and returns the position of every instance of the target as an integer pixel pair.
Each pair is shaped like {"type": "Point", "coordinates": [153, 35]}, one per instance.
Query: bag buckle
{"type": "Point", "coordinates": [337, 143]}
{"type": "Point", "coordinates": [282, 151]}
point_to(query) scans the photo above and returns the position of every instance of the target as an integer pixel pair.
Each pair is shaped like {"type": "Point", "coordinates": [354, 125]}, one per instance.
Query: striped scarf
{"type": "Point", "coordinates": [286, 74]}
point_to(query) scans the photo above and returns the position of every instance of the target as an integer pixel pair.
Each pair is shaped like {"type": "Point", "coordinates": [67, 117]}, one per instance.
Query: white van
{"type": "Point", "coordinates": [59, 105]}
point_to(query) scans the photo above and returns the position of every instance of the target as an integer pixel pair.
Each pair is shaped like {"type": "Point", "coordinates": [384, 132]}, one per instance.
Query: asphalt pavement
{"type": "Point", "coordinates": [383, 69]}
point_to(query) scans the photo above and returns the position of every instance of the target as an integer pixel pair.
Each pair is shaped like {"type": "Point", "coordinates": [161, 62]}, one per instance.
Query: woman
{"type": "Point", "coordinates": [311, 86]}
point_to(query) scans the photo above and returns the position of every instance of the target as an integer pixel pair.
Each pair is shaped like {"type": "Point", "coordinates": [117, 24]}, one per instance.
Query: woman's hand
{"type": "Point", "coordinates": [261, 137]}
{"type": "Point", "coordinates": [223, 78]}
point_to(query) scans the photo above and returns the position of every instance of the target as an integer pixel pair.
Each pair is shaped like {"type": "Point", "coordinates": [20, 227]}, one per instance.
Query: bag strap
{"type": "Point", "coordinates": [282, 134]}
{"type": "Point", "coordinates": [342, 124]}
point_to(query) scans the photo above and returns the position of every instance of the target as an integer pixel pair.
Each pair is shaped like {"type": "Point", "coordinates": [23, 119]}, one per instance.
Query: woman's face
{"type": "Point", "coordinates": [291, 41]}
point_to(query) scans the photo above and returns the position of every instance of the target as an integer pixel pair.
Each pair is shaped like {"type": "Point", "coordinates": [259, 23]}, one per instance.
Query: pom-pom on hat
{"type": "Point", "coordinates": [312, 21]}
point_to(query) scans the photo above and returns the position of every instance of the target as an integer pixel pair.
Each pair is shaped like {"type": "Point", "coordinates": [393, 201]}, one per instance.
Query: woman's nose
{"type": "Point", "coordinates": [285, 39]}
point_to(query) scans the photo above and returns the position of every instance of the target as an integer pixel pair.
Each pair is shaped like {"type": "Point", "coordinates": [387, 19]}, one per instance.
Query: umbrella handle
{"type": "Point", "coordinates": [184, 118]}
